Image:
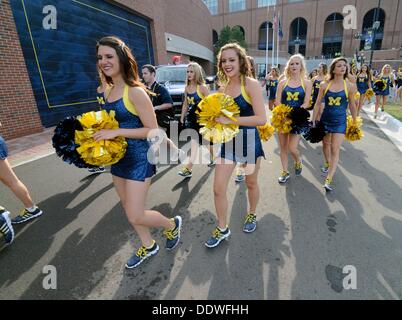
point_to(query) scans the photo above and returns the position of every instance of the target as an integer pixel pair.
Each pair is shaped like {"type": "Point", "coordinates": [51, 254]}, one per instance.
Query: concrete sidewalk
{"type": "Point", "coordinates": [29, 148]}
{"type": "Point", "coordinates": [391, 127]}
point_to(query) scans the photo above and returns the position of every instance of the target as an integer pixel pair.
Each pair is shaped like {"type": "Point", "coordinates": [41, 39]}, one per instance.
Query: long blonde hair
{"type": "Point", "coordinates": [302, 63]}
{"type": "Point", "coordinates": [383, 69]}
{"type": "Point", "coordinates": [199, 78]}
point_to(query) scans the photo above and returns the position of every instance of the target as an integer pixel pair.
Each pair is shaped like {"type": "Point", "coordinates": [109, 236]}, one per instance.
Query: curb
{"type": "Point", "coordinates": [391, 127]}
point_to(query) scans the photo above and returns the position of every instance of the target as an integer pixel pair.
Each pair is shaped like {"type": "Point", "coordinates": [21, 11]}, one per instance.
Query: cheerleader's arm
{"type": "Point", "coordinates": [352, 103]}
{"type": "Point", "coordinates": [318, 105]}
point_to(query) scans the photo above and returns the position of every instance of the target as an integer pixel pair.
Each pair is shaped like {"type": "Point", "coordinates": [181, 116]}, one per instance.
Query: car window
{"type": "Point", "coordinates": [164, 74]}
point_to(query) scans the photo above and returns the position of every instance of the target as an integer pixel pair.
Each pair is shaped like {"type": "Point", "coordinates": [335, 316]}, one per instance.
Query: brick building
{"type": "Point", "coordinates": [314, 27]}
{"type": "Point", "coordinates": [48, 68]}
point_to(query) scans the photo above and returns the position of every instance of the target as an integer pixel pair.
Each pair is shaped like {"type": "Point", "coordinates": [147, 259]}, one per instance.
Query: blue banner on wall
{"type": "Point", "coordinates": [58, 38]}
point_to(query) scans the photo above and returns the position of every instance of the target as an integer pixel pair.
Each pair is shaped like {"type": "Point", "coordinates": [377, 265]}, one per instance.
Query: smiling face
{"type": "Point", "coordinates": [108, 61]}
{"type": "Point", "coordinates": [364, 69]}
{"type": "Point", "coordinates": [230, 63]}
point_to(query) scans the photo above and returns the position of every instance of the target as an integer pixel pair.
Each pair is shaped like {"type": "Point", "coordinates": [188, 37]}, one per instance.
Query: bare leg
{"type": "Point", "coordinates": [336, 141]}
{"type": "Point", "coordinates": [221, 180]}
{"type": "Point", "coordinates": [284, 148]}
{"type": "Point", "coordinates": [8, 177]}
{"type": "Point", "coordinates": [252, 187]}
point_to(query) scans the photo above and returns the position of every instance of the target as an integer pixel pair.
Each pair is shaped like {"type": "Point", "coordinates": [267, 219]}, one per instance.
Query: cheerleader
{"type": "Point", "coordinates": [313, 74]}
{"type": "Point", "coordinates": [246, 147]}
{"type": "Point", "coordinates": [381, 96]}
{"type": "Point", "coordinates": [194, 92]}
{"type": "Point", "coordinates": [338, 94]}
{"type": "Point", "coordinates": [295, 91]}
{"type": "Point", "coordinates": [272, 82]}
{"type": "Point", "coordinates": [322, 72]}
{"type": "Point", "coordinates": [399, 86]}
{"type": "Point", "coordinates": [127, 96]}
{"type": "Point", "coordinates": [363, 82]}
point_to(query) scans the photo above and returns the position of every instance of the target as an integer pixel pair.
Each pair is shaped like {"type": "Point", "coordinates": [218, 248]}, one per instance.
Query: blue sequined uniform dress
{"type": "Point", "coordinates": [134, 165]}
{"type": "Point", "coordinates": [334, 115]}
{"type": "Point", "coordinates": [362, 84]}
{"type": "Point", "coordinates": [193, 99]}
{"type": "Point", "coordinates": [384, 92]}
{"type": "Point", "coordinates": [273, 85]}
{"type": "Point", "coordinates": [314, 95]}
{"type": "Point", "coordinates": [246, 147]}
{"type": "Point", "coordinates": [3, 149]}
{"type": "Point", "coordinates": [294, 98]}
{"type": "Point", "coordinates": [399, 82]}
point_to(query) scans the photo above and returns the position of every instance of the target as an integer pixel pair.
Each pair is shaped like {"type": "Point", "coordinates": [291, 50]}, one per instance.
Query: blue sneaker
{"type": "Point", "coordinates": [97, 170]}
{"type": "Point", "coordinates": [173, 235]}
{"type": "Point", "coordinates": [217, 237]}
{"type": "Point", "coordinates": [6, 229]}
{"type": "Point", "coordinates": [141, 255]}
{"type": "Point", "coordinates": [26, 216]}
{"type": "Point", "coordinates": [298, 168]}
{"type": "Point", "coordinates": [250, 223]}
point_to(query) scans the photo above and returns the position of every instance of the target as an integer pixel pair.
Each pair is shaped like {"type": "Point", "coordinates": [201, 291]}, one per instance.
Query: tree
{"type": "Point", "coordinates": [228, 35]}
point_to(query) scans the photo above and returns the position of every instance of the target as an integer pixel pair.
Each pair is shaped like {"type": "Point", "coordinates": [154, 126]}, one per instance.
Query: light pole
{"type": "Point", "coordinates": [376, 25]}
{"type": "Point", "coordinates": [297, 44]}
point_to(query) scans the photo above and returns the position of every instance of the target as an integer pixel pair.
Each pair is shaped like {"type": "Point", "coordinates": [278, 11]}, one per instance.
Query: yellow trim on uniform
{"type": "Point", "coordinates": [301, 81]}
{"type": "Point", "coordinates": [244, 93]}
{"type": "Point", "coordinates": [127, 103]}
{"type": "Point", "coordinates": [345, 88]}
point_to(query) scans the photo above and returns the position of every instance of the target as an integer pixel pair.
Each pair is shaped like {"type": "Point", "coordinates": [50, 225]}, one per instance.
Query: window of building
{"type": "Point", "coordinates": [266, 3]}
{"type": "Point", "coordinates": [298, 36]}
{"type": "Point", "coordinates": [261, 70]}
{"type": "Point", "coordinates": [237, 5]}
{"type": "Point", "coordinates": [373, 38]}
{"type": "Point", "coordinates": [333, 34]}
{"type": "Point", "coordinates": [212, 6]}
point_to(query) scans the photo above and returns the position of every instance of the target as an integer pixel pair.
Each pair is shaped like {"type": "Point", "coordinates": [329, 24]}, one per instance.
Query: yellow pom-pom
{"type": "Point", "coordinates": [357, 95]}
{"type": "Point", "coordinates": [212, 107]}
{"type": "Point", "coordinates": [280, 119]}
{"type": "Point", "coordinates": [369, 93]}
{"type": "Point", "coordinates": [104, 152]}
{"type": "Point", "coordinates": [354, 130]}
{"type": "Point", "coordinates": [266, 131]}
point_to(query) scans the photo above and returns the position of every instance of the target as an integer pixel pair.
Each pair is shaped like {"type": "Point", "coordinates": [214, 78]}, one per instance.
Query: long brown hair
{"type": "Point", "coordinates": [128, 64]}
{"type": "Point", "coordinates": [243, 61]}
{"type": "Point", "coordinates": [252, 71]}
{"type": "Point", "coordinates": [331, 74]}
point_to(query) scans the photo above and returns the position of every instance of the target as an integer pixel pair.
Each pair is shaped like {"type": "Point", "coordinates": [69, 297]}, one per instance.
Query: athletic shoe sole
{"type": "Point", "coordinates": [284, 180]}
{"type": "Point", "coordinates": [28, 219]}
{"type": "Point", "coordinates": [146, 258]}
{"type": "Point", "coordinates": [327, 188]}
{"type": "Point", "coordinates": [249, 231]}
{"type": "Point", "coordinates": [9, 225]}
{"type": "Point", "coordinates": [178, 234]}
{"type": "Point", "coordinates": [225, 236]}
{"type": "Point", "coordinates": [186, 176]}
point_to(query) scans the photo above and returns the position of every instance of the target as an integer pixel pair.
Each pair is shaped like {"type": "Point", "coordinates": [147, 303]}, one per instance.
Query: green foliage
{"type": "Point", "coordinates": [229, 35]}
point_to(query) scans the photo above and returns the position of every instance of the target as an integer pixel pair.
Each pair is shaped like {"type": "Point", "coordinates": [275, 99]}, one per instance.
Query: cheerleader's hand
{"type": "Point", "coordinates": [105, 135]}
{"type": "Point", "coordinates": [224, 120]}
{"type": "Point", "coordinates": [304, 106]}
